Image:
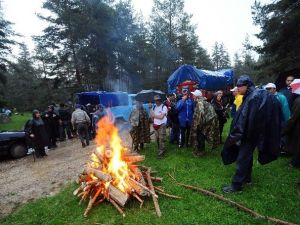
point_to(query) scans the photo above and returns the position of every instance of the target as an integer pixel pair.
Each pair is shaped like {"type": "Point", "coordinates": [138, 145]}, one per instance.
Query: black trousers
{"type": "Point", "coordinates": [200, 141]}
{"type": "Point", "coordinates": [244, 164]}
{"type": "Point", "coordinates": [185, 135]}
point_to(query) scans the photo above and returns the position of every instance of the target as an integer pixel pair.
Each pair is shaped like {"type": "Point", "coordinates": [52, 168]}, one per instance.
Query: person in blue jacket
{"type": "Point", "coordinates": [185, 108]}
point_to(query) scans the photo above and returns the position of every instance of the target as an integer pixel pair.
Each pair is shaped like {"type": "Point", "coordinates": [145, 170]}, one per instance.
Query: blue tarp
{"type": "Point", "coordinates": [208, 80]}
{"type": "Point", "coordinates": [108, 99]}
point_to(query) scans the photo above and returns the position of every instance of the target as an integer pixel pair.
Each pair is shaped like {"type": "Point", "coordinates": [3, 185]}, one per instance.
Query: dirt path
{"type": "Point", "coordinates": [23, 180]}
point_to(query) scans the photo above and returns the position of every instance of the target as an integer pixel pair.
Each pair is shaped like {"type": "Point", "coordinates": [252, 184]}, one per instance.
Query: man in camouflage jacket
{"type": "Point", "coordinates": [140, 132]}
{"type": "Point", "coordinates": [205, 125]}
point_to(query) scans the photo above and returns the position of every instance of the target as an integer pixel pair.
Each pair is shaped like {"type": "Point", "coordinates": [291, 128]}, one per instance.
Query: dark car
{"type": "Point", "coordinates": [13, 143]}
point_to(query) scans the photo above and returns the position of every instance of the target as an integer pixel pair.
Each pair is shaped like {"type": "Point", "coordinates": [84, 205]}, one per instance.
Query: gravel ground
{"type": "Point", "coordinates": [24, 180]}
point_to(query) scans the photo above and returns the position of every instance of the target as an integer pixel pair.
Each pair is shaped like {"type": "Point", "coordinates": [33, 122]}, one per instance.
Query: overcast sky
{"type": "Point", "coordinates": [226, 21]}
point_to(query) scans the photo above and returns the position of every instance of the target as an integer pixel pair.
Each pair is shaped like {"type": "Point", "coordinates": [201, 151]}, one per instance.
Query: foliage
{"type": "Point", "coordinates": [274, 192]}
{"type": "Point", "coordinates": [280, 30]}
{"type": "Point", "coordinates": [6, 41]}
{"type": "Point", "coordinates": [220, 57]}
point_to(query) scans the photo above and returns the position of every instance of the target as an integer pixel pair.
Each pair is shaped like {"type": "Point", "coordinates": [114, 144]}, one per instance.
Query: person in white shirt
{"type": "Point", "coordinates": [159, 115]}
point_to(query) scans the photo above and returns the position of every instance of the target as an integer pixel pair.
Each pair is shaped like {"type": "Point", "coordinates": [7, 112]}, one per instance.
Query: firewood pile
{"type": "Point", "coordinates": [113, 174]}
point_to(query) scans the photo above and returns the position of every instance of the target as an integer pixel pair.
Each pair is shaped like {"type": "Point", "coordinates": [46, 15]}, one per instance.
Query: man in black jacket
{"type": "Point", "coordinates": [287, 91]}
{"type": "Point", "coordinates": [51, 120]}
{"type": "Point", "coordinates": [256, 124]}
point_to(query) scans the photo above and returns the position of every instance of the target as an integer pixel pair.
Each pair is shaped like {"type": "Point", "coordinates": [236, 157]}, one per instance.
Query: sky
{"type": "Point", "coordinates": [227, 21]}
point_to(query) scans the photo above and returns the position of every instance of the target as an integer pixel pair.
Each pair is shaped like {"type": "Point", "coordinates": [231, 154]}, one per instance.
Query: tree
{"type": "Point", "coordinates": [280, 31]}
{"type": "Point", "coordinates": [22, 82]}
{"type": "Point", "coordinates": [220, 56]}
{"type": "Point", "coordinates": [173, 39]}
{"type": "Point", "coordinates": [6, 41]}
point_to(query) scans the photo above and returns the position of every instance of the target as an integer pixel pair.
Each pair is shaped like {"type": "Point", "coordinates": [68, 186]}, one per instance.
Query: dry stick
{"type": "Point", "coordinates": [139, 199]}
{"type": "Point", "coordinates": [159, 179]}
{"type": "Point", "coordinates": [169, 195]}
{"type": "Point", "coordinates": [148, 176]}
{"type": "Point", "coordinates": [117, 207]}
{"type": "Point", "coordinates": [237, 205]}
{"type": "Point", "coordinates": [159, 189]}
{"type": "Point", "coordinates": [143, 186]}
{"type": "Point", "coordinates": [91, 202]}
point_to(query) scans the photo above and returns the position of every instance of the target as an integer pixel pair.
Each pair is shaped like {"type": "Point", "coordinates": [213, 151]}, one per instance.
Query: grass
{"type": "Point", "coordinates": [16, 123]}
{"type": "Point", "coordinates": [274, 193]}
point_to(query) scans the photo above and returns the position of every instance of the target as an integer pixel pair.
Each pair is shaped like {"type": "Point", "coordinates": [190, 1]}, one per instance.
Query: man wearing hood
{"type": "Point", "coordinates": [140, 132]}
{"type": "Point", "coordinates": [256, 124]}
{"type": "Point", "coordinates": [205, 125]}
{"type": "Point", "coordinates": [36, 130]}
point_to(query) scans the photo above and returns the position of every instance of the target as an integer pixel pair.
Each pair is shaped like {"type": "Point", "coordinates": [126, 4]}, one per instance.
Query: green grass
{"type": "Point", "coordinates": [17, 122]}
{"type": "Point", "coordinates": [273, 193]}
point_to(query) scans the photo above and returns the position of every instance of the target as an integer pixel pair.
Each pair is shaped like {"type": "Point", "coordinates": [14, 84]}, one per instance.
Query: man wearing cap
{"type": "Point", "coordinates": [238, 99]}
{"type": "Point", "coordinates": [81, 121]}
{"type": "Point", "coordinates": [256, 124]}
{"type": "Point", "coordinates": [205, 125]}
{"type": "Point", "coordinates": [285, 109]}
{"type": "Point", "coordinates": [159, 115]}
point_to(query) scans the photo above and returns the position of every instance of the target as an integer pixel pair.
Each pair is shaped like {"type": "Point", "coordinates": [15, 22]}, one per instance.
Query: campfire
{"type": "Point", "coordinates": [113, 174]}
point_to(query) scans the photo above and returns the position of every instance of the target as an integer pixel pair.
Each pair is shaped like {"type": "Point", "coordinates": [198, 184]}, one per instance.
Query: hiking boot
{"type": "Point", "coordinates": [83, 144]}
{"type": "Point", "coordinates": [231, 189]}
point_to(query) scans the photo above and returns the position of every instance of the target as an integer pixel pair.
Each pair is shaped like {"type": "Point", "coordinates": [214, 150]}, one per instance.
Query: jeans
{"type": "Point", "coordinates": [243, 164]}
{"type": "Point", "coordinates": [184, 135]}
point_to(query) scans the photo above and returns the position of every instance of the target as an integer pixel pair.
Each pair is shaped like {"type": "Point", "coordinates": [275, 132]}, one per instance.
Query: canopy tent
{"type": "Point", "coordinates": [208, 80]}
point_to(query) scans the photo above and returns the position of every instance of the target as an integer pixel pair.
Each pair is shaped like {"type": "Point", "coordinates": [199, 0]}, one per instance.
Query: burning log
{"type": "Point", "coordinates": [113, 175]}
{"type": "Point", "coordinates": [99, 174]}
{"type": "Point", "coordinates": [117, 195]}
{"type": "Point", "coordinates": [133, 158]}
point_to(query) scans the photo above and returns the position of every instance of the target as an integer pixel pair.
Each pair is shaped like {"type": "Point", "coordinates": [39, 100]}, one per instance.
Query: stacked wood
{"type": "Point", "coordinates": [96, 184]}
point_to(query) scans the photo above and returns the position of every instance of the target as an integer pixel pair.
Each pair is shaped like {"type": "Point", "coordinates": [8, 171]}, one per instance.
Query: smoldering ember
{"type": "Point", "coordinates": [164, 112]}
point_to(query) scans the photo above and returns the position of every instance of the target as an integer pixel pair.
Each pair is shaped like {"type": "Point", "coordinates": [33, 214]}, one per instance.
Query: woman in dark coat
{"type": "Point", "coordinates": [220, 110]}
{"type": "Point", "coordinates": [292, 131]}
{"type": "Point", "coordinates": [38, 134]}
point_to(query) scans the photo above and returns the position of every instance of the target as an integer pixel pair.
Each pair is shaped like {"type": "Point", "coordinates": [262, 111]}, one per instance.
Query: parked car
{"type": "Point", "coordinates": [13, 143]}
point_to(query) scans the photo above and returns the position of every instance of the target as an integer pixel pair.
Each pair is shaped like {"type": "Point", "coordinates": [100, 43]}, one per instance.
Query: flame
{"type": "Point", "coordinates": [108, 154]}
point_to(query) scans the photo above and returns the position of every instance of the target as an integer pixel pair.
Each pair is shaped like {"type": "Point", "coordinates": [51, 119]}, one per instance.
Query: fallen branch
{"type": "Point", "coordinates": [139, 199]}
{"type": "Point", "coordinates": [168, 195]}
{"type": "Point", "coordinates": [91, 202]}
{"type": "Point", "coordinates": [230, 202]}
{"type": "Point", "coordinates": [156, 205]}
{"type": "Point", "coordinates": [117, 207]}
{"type": "Point", "coordinates": [143, 186]}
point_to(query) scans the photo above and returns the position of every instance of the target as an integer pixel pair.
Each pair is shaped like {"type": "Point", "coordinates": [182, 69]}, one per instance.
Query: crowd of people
{"type": "Point", "coordinates": [62, 123]}
{"type": "Point", "coordinates": [262, 118]}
